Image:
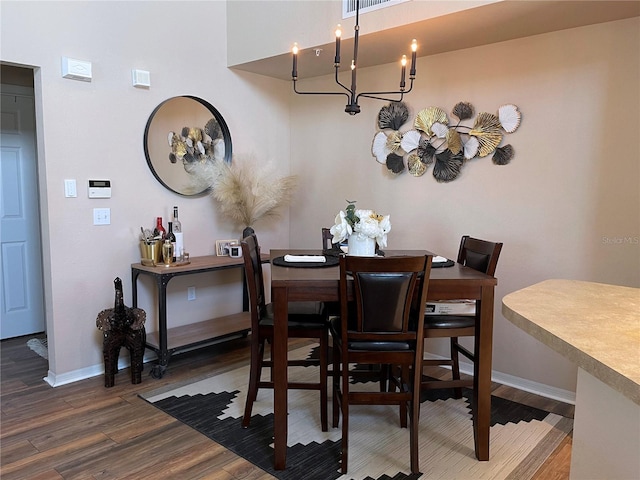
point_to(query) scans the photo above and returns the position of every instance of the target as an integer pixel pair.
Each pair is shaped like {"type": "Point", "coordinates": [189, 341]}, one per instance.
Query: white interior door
{"type": "Point", "coordinates": [21, 283]}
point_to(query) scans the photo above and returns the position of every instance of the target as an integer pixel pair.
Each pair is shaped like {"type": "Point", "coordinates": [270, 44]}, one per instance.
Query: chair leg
{"type": "Point", "coordinates": [336, 378]}
{"type": "Point", "coordinates": [324, 354]}
{"type": "Point", "coordinates": [345, 417]}
{"type": "Point", "coordinates": [404, 380]}
{"type": "Point", "coordinates": [455, 366]}
{"type": "Point", "coordinates": [414, 419]}
{"type": "Point", "coordinates": [257, 356]}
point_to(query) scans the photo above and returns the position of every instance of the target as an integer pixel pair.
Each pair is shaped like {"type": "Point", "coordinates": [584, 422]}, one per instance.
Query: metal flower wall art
{"type": "Point", "coordinates": [437, 140]}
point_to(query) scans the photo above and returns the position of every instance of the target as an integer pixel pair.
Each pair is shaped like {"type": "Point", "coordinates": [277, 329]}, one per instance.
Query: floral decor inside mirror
{"type": "Point", "coordinates": [436, 140]}
{"type": "Point", "coordinates": [196, 147]}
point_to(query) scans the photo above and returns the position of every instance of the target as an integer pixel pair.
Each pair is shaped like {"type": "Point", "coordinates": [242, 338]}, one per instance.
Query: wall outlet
{"type": "Point", "coordinates": [191, 293]}
{"type": "Point", "coordinates": [101, 216]}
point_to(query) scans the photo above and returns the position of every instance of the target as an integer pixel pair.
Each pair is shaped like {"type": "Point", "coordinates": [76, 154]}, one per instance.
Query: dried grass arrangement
{"type": "Point", "coordinates": [247, 191]}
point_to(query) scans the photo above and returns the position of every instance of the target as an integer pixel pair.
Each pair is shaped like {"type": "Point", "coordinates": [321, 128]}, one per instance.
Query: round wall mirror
{"type": "Point", "coordinates": [184, 136]}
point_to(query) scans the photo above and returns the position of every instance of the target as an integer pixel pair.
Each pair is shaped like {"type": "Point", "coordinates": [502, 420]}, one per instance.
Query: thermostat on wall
{"type": "Point", "coordinates": [99, 188]}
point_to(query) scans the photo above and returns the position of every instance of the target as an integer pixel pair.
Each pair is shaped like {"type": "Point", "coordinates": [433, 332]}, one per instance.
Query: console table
{"type": "Point", "coordinates": [167, 341]}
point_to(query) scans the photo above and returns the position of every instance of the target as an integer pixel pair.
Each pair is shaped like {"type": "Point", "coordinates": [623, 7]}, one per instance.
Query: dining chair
{"type": "Point", "coordinates": [380, 324]}
{"type": "Point", "coordinates": [480, 255]}
{"type": "Point", "coordinates": [306, 320]}
{"type": "Point", "coordinates": [327, 238]}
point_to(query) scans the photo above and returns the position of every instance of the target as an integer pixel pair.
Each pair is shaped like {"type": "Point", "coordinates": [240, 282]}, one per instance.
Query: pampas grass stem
{"type": "Point", "coordinates": [247, 192]}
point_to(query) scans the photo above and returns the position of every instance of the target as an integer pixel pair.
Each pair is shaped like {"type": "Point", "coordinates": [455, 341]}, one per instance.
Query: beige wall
{"type": "Point", "coordinates": [572, 185]}
{"type": "Point", "coordinates": [561, 207]}
{"type": "Point", "coordinates": [95, 130]}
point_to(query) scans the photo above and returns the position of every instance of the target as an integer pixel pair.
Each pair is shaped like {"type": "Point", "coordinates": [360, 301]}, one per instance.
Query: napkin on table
{"type": "Point", "coordinates": [305, 258]}
{"type": "Point", "coordinates": [439, 259]}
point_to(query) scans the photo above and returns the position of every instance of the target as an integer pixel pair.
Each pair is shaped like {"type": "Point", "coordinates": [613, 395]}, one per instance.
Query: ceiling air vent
{"type": "Point", "coordinates": [349, 6]}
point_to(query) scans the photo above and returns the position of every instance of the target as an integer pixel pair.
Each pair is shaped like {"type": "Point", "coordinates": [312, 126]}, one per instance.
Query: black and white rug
{"type": "Point", "coordinates": [522, 437]}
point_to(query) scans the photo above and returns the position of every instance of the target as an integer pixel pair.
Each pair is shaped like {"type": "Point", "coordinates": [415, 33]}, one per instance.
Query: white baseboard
{"type": "Point", "coordinates": [89, 372]}
{"type": "Point", "coordinates": [547, 391]}
{"type": "Point", "coordinates": [530, 386]}
{"type": "Point", "coordinates": [123, 362]}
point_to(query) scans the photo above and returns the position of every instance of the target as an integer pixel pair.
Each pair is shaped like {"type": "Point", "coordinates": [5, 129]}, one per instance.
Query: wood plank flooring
{"type": "Point", "coordinates": [86, 431]}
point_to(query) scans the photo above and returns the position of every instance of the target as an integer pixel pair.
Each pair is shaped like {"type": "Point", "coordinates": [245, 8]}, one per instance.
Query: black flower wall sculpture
{"type": "Point", "coordinates": [433, 140]}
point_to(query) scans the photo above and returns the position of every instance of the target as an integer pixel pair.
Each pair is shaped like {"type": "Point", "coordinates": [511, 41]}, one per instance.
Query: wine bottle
{"type": "Point", "coordinates": [159, 230]}
{"type": "Point", "coordinates": [177, 231]}
{"type": "Point", "coordinates": [172, 239]}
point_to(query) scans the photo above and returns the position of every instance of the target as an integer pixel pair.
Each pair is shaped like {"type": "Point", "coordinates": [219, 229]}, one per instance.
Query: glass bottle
{"type": "Point", "coordinates": [159, 230]}
{"type": "Point", "coordinates": [177, 231]}
{"type": "Point", "coordinates": [177, 226]}
{"type": "Point", "coordinates": [171, 238]}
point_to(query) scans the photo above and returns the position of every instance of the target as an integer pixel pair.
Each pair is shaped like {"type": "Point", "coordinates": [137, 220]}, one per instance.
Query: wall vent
{"type": "Point", "coordinates": [349, 6]}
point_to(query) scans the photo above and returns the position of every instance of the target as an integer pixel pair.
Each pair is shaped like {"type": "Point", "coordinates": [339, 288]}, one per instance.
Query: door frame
{"type": "Point", "coordinates": [41, 186]}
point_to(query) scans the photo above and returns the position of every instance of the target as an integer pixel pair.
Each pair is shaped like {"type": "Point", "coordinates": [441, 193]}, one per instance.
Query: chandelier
{"type": "Point", "coordinates": [352, 106]}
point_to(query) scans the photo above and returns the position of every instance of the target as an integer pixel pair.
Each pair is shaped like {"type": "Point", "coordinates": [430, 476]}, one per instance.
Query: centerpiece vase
{"type": "Point", "coordinates": [361, 246]}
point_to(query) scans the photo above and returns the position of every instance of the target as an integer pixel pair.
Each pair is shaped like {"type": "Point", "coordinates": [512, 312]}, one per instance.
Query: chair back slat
{"type": "Point", "coordinates": [389, 296]}
{"type": "Point", "coordinates": [382, 300]}
{"type": "Point", "coordinates": [480, 255]}
{"type": "Point", "coordinates": [254, 278]}
{"type": "Point", "coordinates": [327, 239]}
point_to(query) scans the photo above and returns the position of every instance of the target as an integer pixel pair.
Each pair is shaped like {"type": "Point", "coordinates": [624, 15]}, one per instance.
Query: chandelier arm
{"type": "Point", "coordinates": [376, 96]}
{"type": "Point", "coordinates": [343, 86]}
{"type": "Point", "coordinates": [384, 99]}
{"type": "Point", "coordinates": [318, 93]}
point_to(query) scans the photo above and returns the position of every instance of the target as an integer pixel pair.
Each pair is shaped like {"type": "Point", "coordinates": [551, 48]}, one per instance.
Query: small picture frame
{"type": "Point", "coordinates": [223, 247]}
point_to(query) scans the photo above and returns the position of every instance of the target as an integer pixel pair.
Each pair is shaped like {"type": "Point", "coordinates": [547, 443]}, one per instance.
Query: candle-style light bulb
{"type": "Point", "coordinates": [294, 71]}
{"type": "Point", "coordinates": [403, 62]}
{"type": "Point", "coordinates": [338, 35]}
{"type": "Point", "coordinates": [414, 48]}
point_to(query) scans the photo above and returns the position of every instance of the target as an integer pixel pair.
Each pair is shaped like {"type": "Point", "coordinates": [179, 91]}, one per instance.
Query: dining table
{"type": "Point", "coordinates": [292, 284]}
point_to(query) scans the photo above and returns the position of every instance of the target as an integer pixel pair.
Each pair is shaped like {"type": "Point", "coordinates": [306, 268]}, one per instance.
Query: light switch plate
{"type": "Point", "coordinates": [101, 216]}
{"type": "Point", "coordinates": [70, 188]}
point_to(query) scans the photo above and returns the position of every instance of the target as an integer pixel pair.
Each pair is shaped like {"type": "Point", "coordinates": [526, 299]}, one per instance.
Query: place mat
{"type": "Point", "coordinates": [330, 262]}
{"type": "Point", "coordinates": [448, 263]}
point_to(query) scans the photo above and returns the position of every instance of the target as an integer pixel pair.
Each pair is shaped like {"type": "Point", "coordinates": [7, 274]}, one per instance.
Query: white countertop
{"type": "Point", "coordinates": [597, 326]}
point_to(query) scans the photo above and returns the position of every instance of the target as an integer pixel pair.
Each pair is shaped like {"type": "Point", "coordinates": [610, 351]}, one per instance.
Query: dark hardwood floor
{"type": "Point", "coordinates": [85, 431]}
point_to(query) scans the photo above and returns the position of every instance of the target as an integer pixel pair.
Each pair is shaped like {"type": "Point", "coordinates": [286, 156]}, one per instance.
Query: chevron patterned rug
{"type": "Point", "coordinates": [522, 437]}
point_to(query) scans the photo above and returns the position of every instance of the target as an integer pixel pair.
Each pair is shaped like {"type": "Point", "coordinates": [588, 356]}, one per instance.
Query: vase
{"type": "Point", "coordinates": [360, 246]}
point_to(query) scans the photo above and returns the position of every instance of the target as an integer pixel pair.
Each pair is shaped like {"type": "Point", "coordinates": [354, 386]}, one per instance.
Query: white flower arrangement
{"type": "Point", "coordinates": [363, 223]}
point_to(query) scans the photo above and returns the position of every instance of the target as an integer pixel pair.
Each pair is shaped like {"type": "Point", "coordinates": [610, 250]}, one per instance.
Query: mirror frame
{"type": "Point", "coordinates": [226, 136]}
